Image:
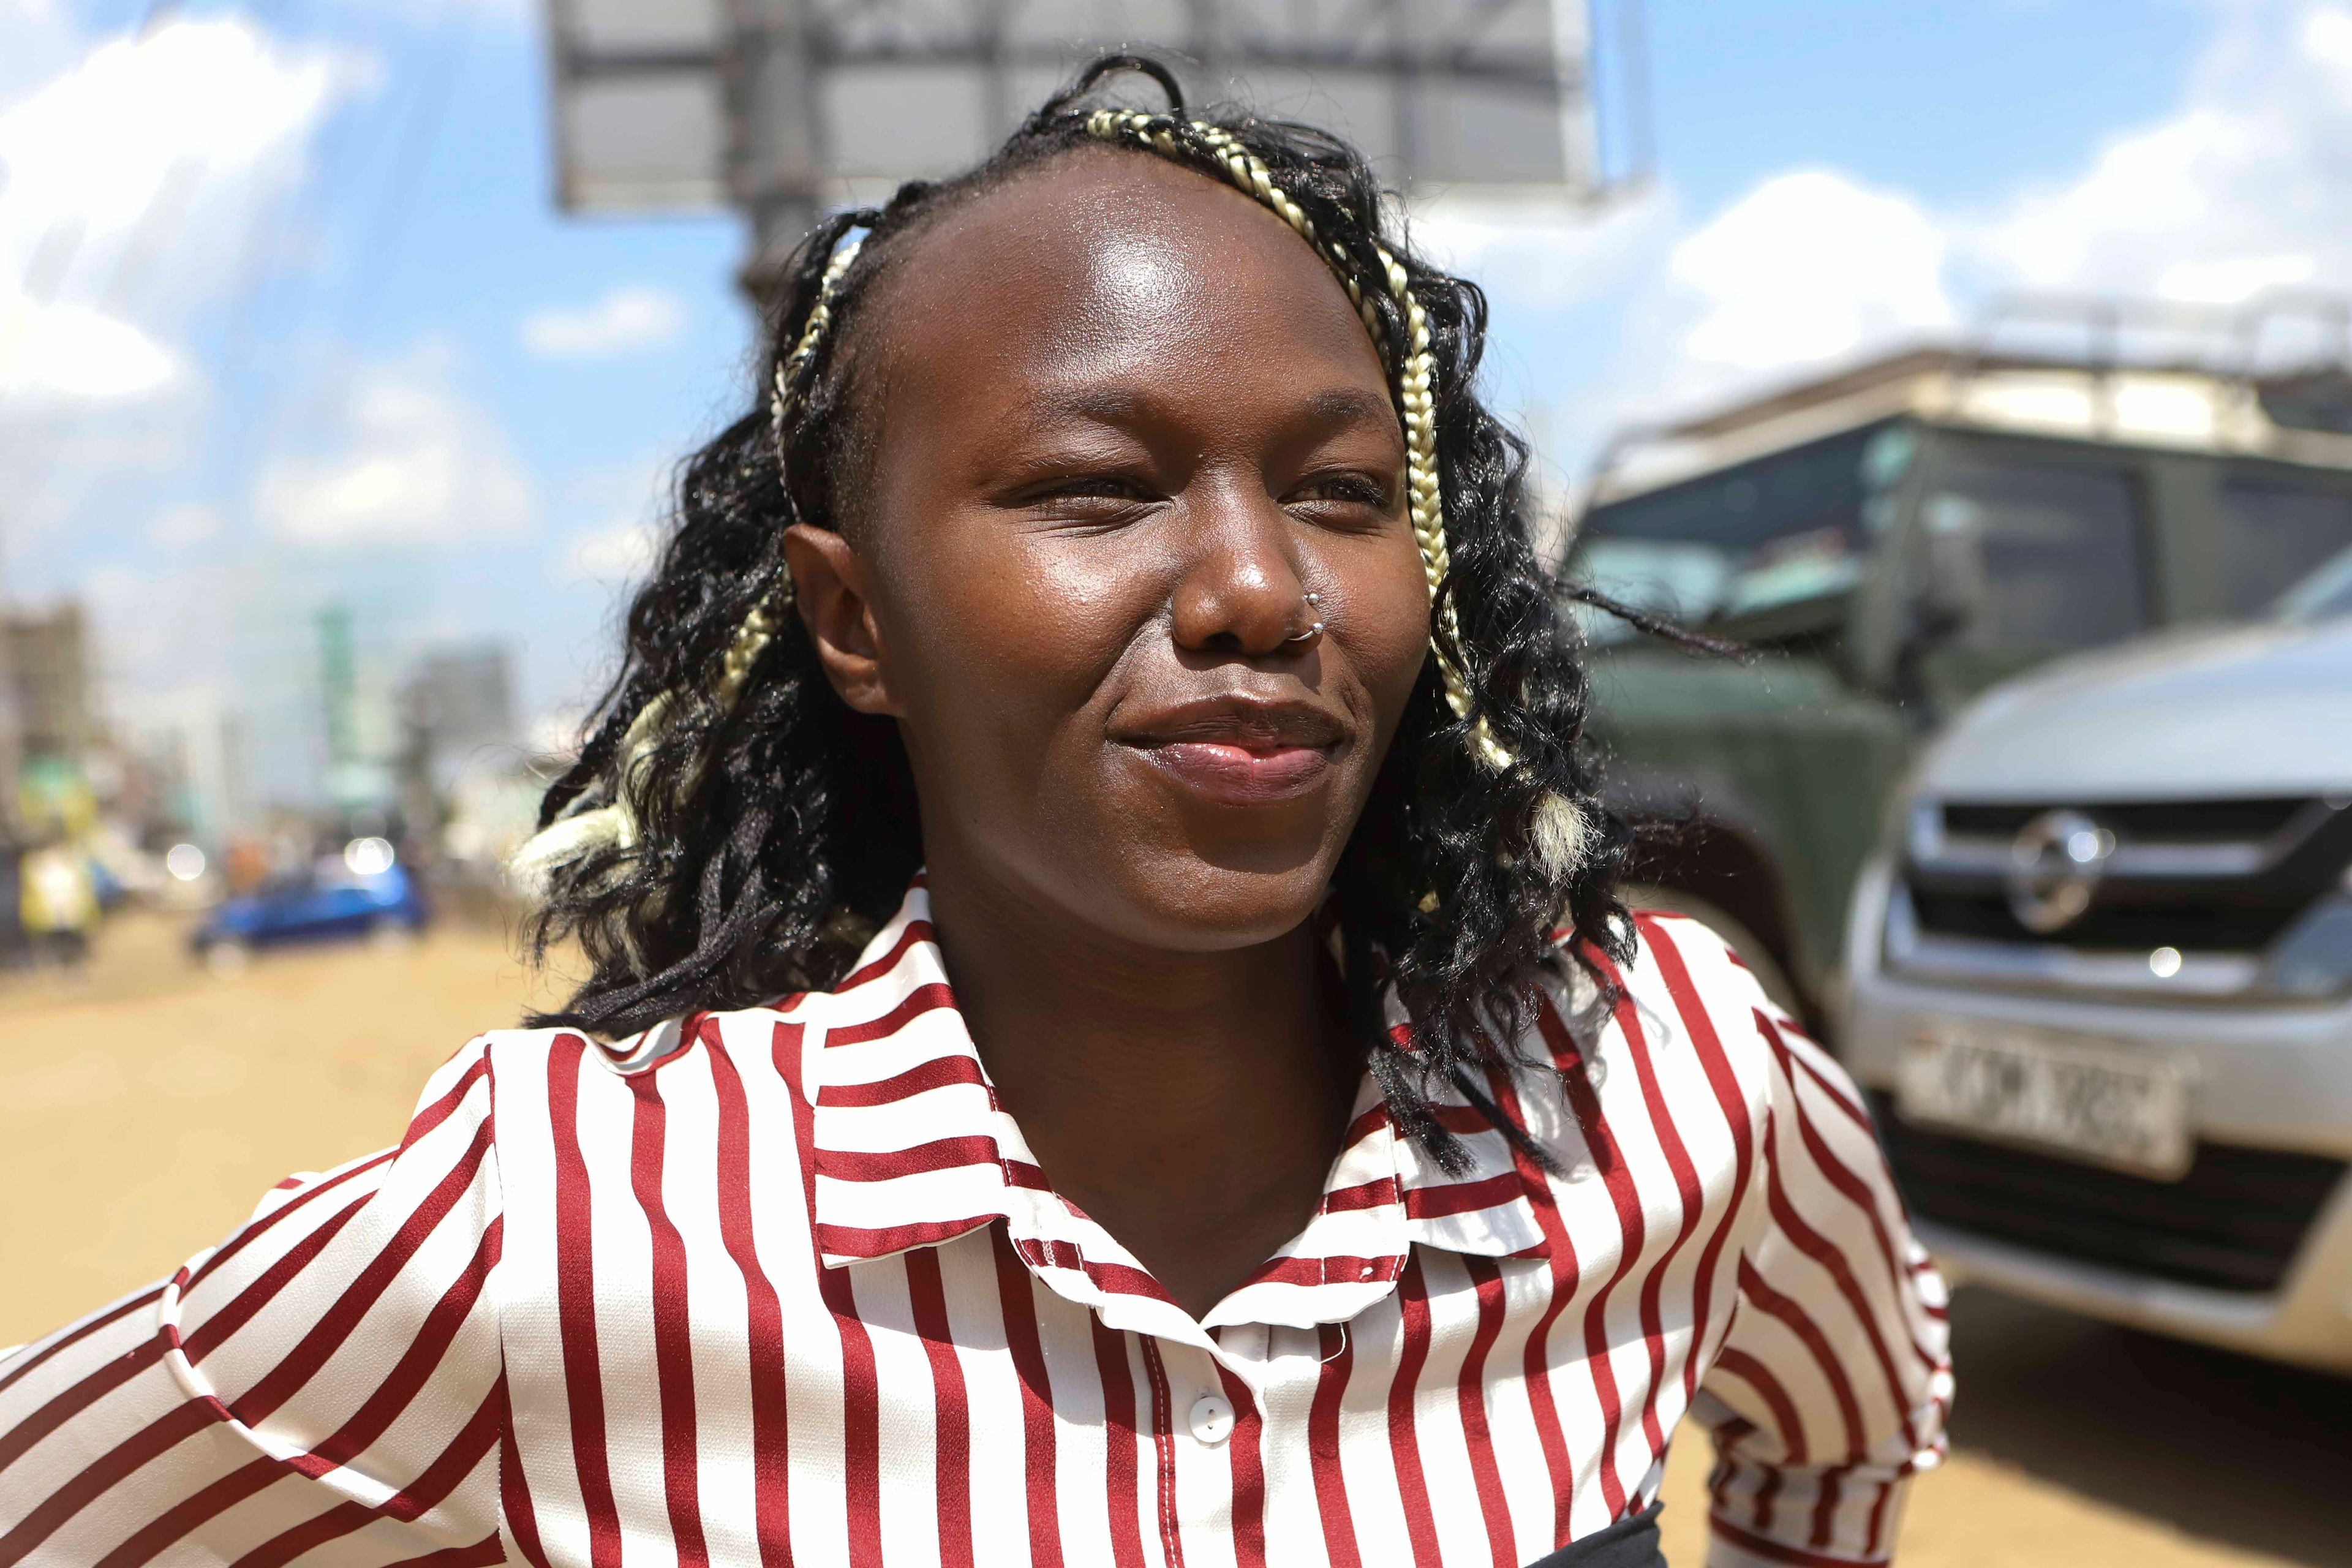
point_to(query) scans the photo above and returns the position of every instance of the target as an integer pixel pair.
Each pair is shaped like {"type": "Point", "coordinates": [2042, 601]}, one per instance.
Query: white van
{"type": "Point", "coordinates": [2102, 984]}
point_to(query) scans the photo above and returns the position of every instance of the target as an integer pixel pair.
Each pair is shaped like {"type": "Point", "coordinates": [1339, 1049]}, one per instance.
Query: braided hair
{"type": "Point", "coordinates": [732, 830]}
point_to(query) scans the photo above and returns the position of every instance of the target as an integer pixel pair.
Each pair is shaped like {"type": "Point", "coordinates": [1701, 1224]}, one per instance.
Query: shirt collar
{"type": "Point", "coordinates": [911, 1148]}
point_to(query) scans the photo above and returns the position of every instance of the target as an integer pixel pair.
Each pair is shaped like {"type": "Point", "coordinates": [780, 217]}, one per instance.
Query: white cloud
{"type": "Point", "coordinates": [40, 42]}
{"type": "Point", "coordinates": [627, 319]}
{"type": "Point", "coordinates": [2240, 193]}
{"type": "Point", "coordinates": [516, 13]}
{"type": "Point", "coordinates": [630, 499]}
{"type": "Point", "coordinates": [156, 149]}
{"type": "Point", "coordinates": [620, 553]}
{"type": "Point", "coordinates": [2233, 280]}
{"type": "Point", "coordinates": [69, 353]}
{"type": "Point", "coordinates": [1543, 258]}
{"type": "Point", "coordinates": [2243, 190]}
{"type": "Point", "coordinates": [1808, 266]}
{"type": "Point", "coordinates": [1806, 269]}
{"type": "Point", "coordinates": [187, 523]}
{"type": "Point", "coordinates": [132, 168]}
{"type": "Point", "coordinates": [410, 461]}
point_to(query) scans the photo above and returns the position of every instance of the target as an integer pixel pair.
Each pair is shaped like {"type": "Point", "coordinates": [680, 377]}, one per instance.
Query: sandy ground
{"type": "Point", "coordinates": [150, 1104]}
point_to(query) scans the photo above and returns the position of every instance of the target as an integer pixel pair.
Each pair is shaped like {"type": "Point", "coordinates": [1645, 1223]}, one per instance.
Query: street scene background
{"type": "Point", "coordinates": [331, 440]}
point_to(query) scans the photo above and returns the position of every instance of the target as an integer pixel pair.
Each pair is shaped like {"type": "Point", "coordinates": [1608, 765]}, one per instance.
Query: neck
{"type": "Point", "coordinates": [1191, 1103]}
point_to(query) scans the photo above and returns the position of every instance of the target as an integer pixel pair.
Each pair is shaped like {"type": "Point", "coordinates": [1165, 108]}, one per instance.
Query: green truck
{"type": "Point", "coordinates": [1888, 542]}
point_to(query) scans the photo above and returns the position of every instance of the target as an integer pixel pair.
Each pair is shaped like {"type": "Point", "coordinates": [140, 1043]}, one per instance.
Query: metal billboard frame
{"type": "Point", "coordinates": [782, 108]}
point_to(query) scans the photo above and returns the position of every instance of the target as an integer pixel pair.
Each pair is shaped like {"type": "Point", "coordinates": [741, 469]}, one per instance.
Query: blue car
{"type": "Point", "coordinates": [331, 904]}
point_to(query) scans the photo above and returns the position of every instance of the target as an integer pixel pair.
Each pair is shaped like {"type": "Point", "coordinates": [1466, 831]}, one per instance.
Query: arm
{"type": "Point", "coordinates": [330, 1373]}
{"type": "Point", "coordinates": [1831, 1386]}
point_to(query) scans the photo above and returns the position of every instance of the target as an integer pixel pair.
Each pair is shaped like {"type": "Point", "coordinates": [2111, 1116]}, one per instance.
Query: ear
{"type": "Point", "coordinates": [830, 586]}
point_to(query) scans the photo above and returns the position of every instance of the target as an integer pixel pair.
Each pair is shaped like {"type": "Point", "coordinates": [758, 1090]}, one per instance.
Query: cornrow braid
{"type": "Point", "coordinates": [732, 829]}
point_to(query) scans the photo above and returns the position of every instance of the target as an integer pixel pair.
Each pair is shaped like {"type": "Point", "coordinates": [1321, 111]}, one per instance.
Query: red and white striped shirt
{"type": "Point", "coordinates": [786, 1285]}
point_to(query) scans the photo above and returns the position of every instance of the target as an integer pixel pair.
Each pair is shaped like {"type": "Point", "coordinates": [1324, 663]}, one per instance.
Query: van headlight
{"type": "Point", "coordinates": [2313, 959]}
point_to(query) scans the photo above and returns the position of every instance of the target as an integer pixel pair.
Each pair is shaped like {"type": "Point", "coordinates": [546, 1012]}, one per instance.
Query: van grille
{"type": "Point", "coordinates": [2198, 918]}
{"type": "Point", "coordinates": [2233, 1223]}
{"type": "Point", "coordinates": [2183, 822]}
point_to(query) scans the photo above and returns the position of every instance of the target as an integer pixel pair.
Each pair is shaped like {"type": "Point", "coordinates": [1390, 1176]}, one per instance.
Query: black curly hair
{"type": "Point", "coordinates": [773, 831]}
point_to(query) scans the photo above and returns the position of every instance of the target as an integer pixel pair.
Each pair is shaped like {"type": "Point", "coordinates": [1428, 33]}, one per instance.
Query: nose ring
{"type": "Point", "coordinates": [1314, 601]}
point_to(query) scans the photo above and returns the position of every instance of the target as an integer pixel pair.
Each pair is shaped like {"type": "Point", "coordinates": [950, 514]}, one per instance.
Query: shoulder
{"type": "Point", "coordinates": [1683, 1000]}
{"type": "Point", "coordinates": [1682, 980]}
{"type": "Point", "coordinates": [560, 1098]}
{"type": "Point", "coordinates": [1688, 980]}
{"type": "Point", "coordinates": [522, 1060]}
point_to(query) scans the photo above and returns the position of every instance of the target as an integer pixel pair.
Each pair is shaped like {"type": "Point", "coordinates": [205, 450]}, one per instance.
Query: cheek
{"type": "Point", "coordinates": [1379, 615]}
{"type": "Point", "coordinates": [1002, 635]}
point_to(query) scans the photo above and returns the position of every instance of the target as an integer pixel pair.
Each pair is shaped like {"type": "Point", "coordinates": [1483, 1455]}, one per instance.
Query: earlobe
{"type": "Point", "coordinates": [829, 591]}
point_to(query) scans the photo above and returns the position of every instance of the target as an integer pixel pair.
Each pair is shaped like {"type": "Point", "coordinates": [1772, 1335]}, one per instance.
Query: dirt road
{"type": "Point", "coordinates": [149, 1105]}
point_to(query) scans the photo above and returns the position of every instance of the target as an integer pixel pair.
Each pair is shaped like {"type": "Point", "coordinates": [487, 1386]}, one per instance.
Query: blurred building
{"type": "Point", "coordinates": [359, 708]}
{"type": "Point", "coordinates": [48, 665]}
{"type": "Point", "coordinates": [458, 713]}
{"type": "Point", "coordinates": [186, 766]}
{"type": "Point", "coordinates": [49, 724]}
{"type": "Point", "coordinates": [468, 791]}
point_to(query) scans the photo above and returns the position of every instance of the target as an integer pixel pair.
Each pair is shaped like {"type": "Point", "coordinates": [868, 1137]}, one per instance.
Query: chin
{"type": "Point", "coordinates": [1185, 902]}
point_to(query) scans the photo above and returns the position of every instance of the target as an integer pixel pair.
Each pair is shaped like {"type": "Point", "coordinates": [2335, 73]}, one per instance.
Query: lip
{"type": "Point", "coordinates": [1238, 750]}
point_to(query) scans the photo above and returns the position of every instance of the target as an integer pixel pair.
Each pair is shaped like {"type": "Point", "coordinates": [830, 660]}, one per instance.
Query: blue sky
{"type": "Point", "coordinates": [293, 319]}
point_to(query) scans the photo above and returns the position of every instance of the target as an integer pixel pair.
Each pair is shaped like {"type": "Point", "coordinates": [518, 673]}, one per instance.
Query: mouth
{"type": "Point", "coordinates": [1240, 750]}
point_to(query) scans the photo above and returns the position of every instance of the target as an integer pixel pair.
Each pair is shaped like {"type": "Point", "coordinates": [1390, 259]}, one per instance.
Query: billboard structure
{"type": "Point", "coordinates": [782, 108]}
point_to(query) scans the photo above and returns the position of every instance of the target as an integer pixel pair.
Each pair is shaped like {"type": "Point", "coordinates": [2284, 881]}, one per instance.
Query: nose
{"type": "Point", "coordinates": [1241, 591]}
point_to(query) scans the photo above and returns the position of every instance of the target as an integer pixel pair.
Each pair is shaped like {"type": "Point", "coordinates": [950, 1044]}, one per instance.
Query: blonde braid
{"type": "Point", "coordinates": [1415, 372]}
{"type": "Point", "coordinates": [759, 627]}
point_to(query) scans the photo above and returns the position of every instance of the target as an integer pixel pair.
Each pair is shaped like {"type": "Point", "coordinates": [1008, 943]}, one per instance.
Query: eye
{"type": "Point", "coordinates": [1092, 486]}
{"type": "Point", "coordinates": [1342, 493]}
{"type": "Point", "coordinates": [1100, 500]}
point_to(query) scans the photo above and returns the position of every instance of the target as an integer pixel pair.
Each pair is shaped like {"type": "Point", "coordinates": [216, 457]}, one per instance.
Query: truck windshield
{"type": "Point", "coordinates": [2273, 532]}
{"type": "Point", "coordinates": [2030, 557]}
{"type": "Point", "coordinates": [1781, 529]}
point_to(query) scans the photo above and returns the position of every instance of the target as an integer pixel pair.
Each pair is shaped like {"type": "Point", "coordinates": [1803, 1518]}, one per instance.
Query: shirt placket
{"type": "Point", "coordinates": [1214, 1473]}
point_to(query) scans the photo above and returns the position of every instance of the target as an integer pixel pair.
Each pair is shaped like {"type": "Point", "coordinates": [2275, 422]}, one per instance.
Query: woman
{"type": "Point", "coordinates": [1071, 866]}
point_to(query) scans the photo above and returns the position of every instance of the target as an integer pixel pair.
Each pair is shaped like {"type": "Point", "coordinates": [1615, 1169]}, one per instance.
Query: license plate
{"type": "Point", "coordinates": [2086, 1100]}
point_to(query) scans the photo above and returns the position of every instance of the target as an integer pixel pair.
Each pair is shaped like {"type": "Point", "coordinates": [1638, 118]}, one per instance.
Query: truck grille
{"type": "Point", "coordinates": [2233, 1223]}
{"type": "Point", "coordinates": [2219, 880]}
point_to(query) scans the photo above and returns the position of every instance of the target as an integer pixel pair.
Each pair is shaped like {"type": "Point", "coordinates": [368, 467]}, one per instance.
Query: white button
{"type": "Point", "coordinates": [1213, 1419]}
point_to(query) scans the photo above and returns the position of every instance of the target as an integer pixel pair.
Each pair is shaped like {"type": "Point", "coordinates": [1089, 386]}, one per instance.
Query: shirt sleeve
{"type": "Point", "coordinates": [331, 1373]}
{"type": "Point", "coordinates": [1831, 1387]}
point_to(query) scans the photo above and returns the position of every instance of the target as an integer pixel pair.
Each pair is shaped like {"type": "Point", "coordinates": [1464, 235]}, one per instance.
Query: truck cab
{"type": "Point", "coordinates": [1887, 543]}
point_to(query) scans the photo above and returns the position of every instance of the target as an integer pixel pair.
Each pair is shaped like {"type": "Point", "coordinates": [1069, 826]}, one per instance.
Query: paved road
{"type": "Point", "coordinates": [148, 1105]}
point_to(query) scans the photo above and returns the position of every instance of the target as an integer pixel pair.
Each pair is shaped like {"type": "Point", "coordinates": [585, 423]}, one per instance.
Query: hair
{"type": "Point", "coordinates": [767, 828]}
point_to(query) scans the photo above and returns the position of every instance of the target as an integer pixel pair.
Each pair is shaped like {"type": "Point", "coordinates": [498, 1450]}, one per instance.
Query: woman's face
{"type": "Point", "coordinates": [1124, 421]}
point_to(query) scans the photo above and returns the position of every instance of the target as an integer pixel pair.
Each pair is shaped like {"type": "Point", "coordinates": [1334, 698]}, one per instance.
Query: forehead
{"type": "Point", "coordinates": [1107, 263]}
